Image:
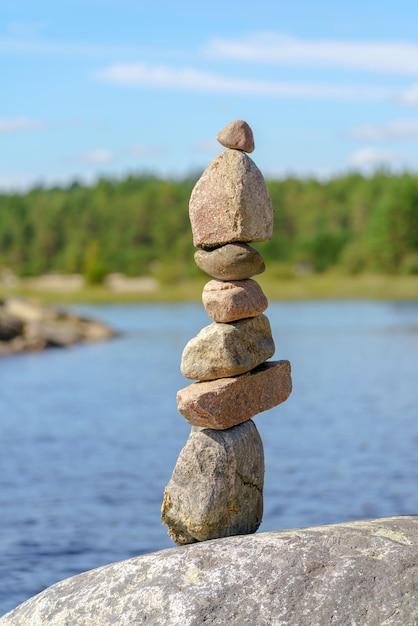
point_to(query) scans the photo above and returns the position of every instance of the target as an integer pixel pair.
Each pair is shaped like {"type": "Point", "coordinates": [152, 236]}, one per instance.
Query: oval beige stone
{"type": "Point", "coordinates": [228, 301]}
{"type": "Point", "coordinates": [230, 202]}
{"type": "Point", "coordinates": [224, 350]}
{"type": "Point", "coordinates": [237, 135]}
{"type": "Point", "coordinates": [226, 402]}
{"type": "Point", "coordinates": [233, 261]}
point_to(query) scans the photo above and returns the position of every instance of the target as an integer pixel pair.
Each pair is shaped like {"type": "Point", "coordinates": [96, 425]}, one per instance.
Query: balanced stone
{"type": "Point", "coordinates": [224, 350]}
{"type": "Point", "coordinates": [233, 261]}
{"type": "Point", "coordinates": [226, 402]}
{"type": "Point", "coordinates": [230, 202]}
{"type": "Point", "coordinates": [216, 489]}
{"type": "Point", "coordinates": [227, 301]}
{"type": "Point", "coordinates": [238, 135]}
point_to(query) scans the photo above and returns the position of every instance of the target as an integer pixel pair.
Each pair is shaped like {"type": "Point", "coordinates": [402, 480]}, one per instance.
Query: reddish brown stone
{"type": "Point", "coordinates": [227, 301]}
{"type": "Point", "coordinates": [223, 403]}
{"type": "Point", "coordinates": [237, 135]}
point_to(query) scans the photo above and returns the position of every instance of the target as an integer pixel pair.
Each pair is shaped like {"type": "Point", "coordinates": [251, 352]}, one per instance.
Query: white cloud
{"type": "Point", "coordinates": [22, 182]}
{"type": "Point", "coordinates": [369, 158]}
{"type": "Point", "coordinates": [409, 96]}
{"type": "Point", "coordinates": [24, 45]}
{"type": "Point", "coordinates": [141, 74]}
{"type": "Point", "coordinates": [141, 151]}
{"type": "Point", "coordinates": [14, 182]}
{"type": "Point", "coordinates": [96, 157]}
{"type": "Point", "coordinates": [398, 129]}
{"type": "Point", "coordinates": [16, 124]}
{"type": "Point", "coordinates": [388, 57]}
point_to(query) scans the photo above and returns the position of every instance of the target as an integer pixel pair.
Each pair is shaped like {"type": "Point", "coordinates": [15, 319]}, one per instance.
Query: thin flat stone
{"type": "Point", "coordinates": [216, 489]}
{"type": "Point", "coordinates": [237, 135]}
{"type": "Point", "coordinates": [233, 261]}
{"type": "Point", "coordinates": [230, 202]}
{"type": "Point", "coordinates": [224, 350]}
{"type": "Point", "coordinates": [223, 403]}
{"type": "Point", "coordinates": [228, 301]}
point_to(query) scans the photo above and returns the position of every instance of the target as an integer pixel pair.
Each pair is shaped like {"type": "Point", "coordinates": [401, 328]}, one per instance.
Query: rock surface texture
{"type": "Point", "coordinates": [354, 574]}
{"type": "Point", "coordinates": [217, 490]}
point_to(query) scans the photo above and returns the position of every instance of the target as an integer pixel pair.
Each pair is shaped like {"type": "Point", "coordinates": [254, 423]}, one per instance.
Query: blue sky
{"type": "Point", "coordinates": [111, 87]}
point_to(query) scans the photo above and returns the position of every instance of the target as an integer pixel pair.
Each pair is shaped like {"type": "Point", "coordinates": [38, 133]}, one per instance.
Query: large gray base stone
{"type": "Point", "coordinates": [355, 574]}
{"type": "Point", "coordinates": [216, 489]}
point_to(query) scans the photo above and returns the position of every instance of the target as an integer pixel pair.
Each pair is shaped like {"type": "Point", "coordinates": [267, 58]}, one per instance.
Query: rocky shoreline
{"type": "Point", "coordinates": [27, 326]}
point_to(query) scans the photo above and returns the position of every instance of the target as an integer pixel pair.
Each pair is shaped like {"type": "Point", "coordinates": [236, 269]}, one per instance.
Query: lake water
{"type": "Point", "coordinates": [89, 436]}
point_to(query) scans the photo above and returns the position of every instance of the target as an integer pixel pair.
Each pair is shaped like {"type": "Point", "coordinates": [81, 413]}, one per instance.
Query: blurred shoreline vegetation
{"type": "Point", "coordinates": [329, 236]}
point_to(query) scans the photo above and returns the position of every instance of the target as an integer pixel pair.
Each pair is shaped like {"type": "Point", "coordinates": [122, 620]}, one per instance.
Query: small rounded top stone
{"type": "Point", "coordinates": [237, 135]}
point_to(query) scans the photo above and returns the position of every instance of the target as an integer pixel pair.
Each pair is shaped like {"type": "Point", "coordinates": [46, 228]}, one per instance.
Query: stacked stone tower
{"type": "Point", "coordinates": [216, 489]}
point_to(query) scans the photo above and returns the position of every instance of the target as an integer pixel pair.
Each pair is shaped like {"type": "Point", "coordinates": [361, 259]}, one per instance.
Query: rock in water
{"type": "Point", "coordinates": [228, 301]}
{"type": "Point", "coordinates": [27, 325]}
{"type": "Point", "coordinates": [223, 350]}
{"type": "Point", "coordinates": [226, 402]}
{"type": "Point", "coordinates": [216, 489]}
{"type": "Point", "coordinates": [237, 135]}
{"type": "Point", "coordinates": [233, 261]}
{"type": "Point", "coordinates": [230, 202]}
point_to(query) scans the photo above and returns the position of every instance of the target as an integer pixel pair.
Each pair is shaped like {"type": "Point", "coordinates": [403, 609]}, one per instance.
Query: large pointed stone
{"type": "Point", "coordinates": [228, 301]}
{"type": "Point", "coordinates": [237, 135]}
{"type": "Point", "coordinates": [216, 489]}
{"type": "Point", "coordinates": [230, 202]}
{"type": "Point", "coordinates": [233, 261]}
{"type": "Point", "coordinates": [224, 350]}
{"type": "Point", "coordinates": [226, 402]}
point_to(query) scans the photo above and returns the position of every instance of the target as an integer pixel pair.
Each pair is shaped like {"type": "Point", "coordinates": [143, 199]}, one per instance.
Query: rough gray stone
{"type": "Point", "coordinates": [233, 261]}
{"type": "Point", "coordinates": [225, 402]}
{"type": "Point", "coordinates": [216, 489]}
{"type": "Point", "coordinates": [228, 301]}
{"type": "Point", "coordinates": [223, 350]}
{"type": "Point", "coordinates": [354, 574]}
{"type": "Point", "coordinates": [237, 135]}
{"type": "Point", "coordinates": [230, 202]}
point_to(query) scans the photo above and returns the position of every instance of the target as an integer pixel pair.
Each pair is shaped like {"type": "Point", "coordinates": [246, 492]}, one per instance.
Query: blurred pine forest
{"type": "Point", "coordinates": [140, 226]}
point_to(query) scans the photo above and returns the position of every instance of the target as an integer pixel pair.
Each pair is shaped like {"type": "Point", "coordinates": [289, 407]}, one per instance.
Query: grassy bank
{"type": "Point", "coordinates": [340, 287]}
{"type": "Point", "coordinates": [311, 287]}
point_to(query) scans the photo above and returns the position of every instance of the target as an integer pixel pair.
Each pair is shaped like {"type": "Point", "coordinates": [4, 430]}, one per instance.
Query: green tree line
{"type": "Point", "coordinates": [140, 226]}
